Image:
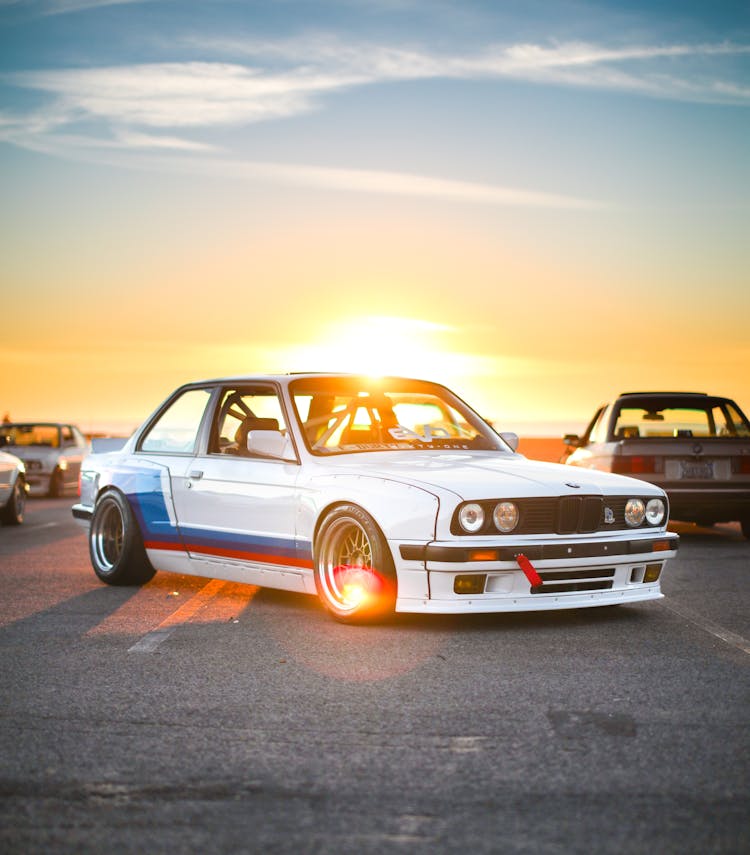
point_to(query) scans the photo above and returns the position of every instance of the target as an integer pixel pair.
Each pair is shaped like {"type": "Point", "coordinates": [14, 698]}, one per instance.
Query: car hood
{"type": "Point", "coordinates": [8, 459]}
{"type": "Point", "coordinates": [488, 475]}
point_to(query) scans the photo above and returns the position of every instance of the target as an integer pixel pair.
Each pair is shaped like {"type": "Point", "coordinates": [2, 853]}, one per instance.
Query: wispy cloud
{"type": "Point", "coordinates": [149, 107]}
{"type": "Point", "coordinates": [292, 77]}
{"type": "Point", "coordinates": [666, 71]}
{"type": "Point", "coordinates": [64, 7]}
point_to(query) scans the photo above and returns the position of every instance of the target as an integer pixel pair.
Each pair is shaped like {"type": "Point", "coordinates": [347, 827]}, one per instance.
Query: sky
{"type": "Point", "coordinates": [540, 204]}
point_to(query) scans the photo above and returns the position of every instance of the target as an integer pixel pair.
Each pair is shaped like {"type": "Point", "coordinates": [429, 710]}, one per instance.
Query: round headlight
{"type": "Point", "coordinates": [635, 512]}
{"type": "Point", "coordinates": [505, 516]}
{"type": "Point", "coordinates": [471, 517]}
{"type": "Point", "coordinates": [655, 511]}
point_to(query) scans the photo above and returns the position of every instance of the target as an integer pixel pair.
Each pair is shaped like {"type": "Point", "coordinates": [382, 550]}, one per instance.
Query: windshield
{"type": "Point", "coordinates": [348, 414]}
{"type": "Point", "coordinates": [48, 435]}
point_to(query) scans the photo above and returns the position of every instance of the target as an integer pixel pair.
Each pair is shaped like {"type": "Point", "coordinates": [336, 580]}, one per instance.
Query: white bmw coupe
{"type": "Point", "coordinates": [376, 494]}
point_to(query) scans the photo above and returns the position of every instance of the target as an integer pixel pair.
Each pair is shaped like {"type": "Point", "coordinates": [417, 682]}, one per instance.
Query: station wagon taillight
{"type": "Point", "coordinates": [741, 465]}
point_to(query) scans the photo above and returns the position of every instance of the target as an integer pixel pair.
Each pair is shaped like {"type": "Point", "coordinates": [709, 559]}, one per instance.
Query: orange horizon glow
{"type": "Point", "coordinates": [114, 393]}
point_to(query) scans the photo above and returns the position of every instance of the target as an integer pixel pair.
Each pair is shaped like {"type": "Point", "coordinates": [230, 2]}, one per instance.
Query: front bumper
{"type": "Point", "coordinates": [82, 514]}
{"type": "Point", "coordinates": [574, 575]}
{"type": "Point", "coordinates": [38, 482]}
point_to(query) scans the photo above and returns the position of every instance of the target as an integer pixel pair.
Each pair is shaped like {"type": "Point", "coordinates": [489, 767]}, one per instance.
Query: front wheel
{"type": "Point", "coordinates": [12, 513]}
{"type": "Point", "coordinates": [354, 572]}
{"type": "Point", "coordinates": [56, 485]}
{"type": "Point", "coordinates": [115, 543]}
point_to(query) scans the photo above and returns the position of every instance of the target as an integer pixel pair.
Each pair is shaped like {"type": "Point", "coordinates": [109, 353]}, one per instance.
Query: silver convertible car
{"type": "Point", "coordinates": [51, 452]}
{"type": "Point", "coordinates": [375, 494]}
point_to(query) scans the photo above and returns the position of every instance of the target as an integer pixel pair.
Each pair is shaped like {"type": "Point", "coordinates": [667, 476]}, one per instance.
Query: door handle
{"type": "Point", "coordinates": [196, 474]}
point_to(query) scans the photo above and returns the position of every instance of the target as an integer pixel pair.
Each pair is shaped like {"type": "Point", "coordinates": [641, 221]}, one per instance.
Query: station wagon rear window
{"type": "Point", "coordinates": [647, 422]}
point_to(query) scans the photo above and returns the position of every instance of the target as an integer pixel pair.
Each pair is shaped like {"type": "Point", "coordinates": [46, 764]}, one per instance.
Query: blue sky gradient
{"type": "Point", "coordinates": [527, 178]}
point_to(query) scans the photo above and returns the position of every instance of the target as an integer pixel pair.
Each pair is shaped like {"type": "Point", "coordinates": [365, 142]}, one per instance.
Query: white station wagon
{"type": "Point", "coordinates": [376, 494]}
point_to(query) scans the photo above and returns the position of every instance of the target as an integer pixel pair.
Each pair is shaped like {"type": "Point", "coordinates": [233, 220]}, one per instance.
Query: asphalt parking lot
{"type": "Point", "coordinates": [199, 716]}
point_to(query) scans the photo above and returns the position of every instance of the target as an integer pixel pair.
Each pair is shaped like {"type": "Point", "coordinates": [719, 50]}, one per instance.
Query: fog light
{"type": "Point", "coordinates": [473, 584]}
{"type": "Point", "coordinates": [652, 573]}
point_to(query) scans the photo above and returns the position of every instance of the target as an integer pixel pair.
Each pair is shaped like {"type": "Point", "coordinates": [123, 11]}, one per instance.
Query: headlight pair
{"type": "Point", "coordinates": [505, 516]}
{"type": "Point", "coordinates": [636, 510]}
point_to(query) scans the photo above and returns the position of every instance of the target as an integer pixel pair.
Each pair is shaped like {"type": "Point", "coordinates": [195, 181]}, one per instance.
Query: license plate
{"type": "Point", "coordinates": [689, 469]}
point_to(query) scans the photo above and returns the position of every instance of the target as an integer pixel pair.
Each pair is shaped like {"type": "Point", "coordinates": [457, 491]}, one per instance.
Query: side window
{"type": "Point", "coordinates": [598, 430]}
{"type": "Point", "coordinates": [67, 436]}
{"type": "Point", "coordinates": [736, 424]}
{"type": "Point", "coordinates": [242, 410]}
{"type": "Point", "coordinates": [176, 429]}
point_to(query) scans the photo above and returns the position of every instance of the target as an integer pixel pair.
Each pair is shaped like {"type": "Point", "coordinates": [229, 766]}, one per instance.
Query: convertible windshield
{"type": "Point", "coordinates": [342, 415]}
{"type": "Point", "coordinates": [48, 435]}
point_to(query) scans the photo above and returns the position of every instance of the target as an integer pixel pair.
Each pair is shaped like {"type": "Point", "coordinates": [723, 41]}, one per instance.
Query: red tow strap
{"type": "Point", "coordinates": [529, 572]}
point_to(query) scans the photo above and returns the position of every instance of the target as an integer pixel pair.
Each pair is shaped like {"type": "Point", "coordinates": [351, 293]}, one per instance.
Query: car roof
{"type": "Point", "coordinates": [288, 377]}
{"type": "Point", "coordinates": [672, 399]}
{"type": "Point", "coordinates": [662, 394]}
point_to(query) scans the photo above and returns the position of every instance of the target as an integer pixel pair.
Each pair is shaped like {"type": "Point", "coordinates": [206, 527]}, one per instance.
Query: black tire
{"type": "Point", "coordinates": [56, 485]}
{"type": "Point", "coordinates": [354, 573]}
{"type": "Point", "coordinates": [12, 513]}
{"type": "Point", "coordinates": [115, 543]}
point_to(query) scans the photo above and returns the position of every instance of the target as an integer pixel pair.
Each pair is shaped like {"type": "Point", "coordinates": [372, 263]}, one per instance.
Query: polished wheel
{"type": "Point", "coordinates": [115, 543]}
{"type": "Point", "coordinates": [353, 568]}
{"type": "Point", "coordinates": [107, 532]}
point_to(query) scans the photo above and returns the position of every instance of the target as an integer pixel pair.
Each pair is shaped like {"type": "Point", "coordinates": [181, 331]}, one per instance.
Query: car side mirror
{"type": "Point", "coordinates": [573, 440]}
{"type": "Point", "coordinates": [510, 439]}
{"type": "Point", "coordinates": [270, 443]}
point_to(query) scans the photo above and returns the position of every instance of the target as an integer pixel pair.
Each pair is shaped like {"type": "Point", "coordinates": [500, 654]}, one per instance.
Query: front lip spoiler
{"type": "Point", "coordinates": [544, 552]}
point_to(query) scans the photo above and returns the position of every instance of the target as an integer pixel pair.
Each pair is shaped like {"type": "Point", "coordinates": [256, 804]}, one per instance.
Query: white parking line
{"type": "Point", "coordinates": [725, 635]}
{"type": "Point", "coordinates": [151, 641]}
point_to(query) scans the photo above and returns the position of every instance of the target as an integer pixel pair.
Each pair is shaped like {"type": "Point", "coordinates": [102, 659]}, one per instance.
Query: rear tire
{"type": "Point", "coordinates": [12, 513]}
{"type": "Point", "coordinates": [115, 543]}
{"type": "Point", "coordinates": [354, 572]}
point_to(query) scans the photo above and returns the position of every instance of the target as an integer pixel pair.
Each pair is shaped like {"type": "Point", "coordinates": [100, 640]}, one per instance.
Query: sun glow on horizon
{"type": "Point", "coordinates": [377, 346]}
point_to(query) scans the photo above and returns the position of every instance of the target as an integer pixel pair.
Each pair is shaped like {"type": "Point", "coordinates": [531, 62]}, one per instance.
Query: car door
{"type": "Point", "coordinates": [237, 510]}
{"type": "Point", "coordinates": [157, 473]}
